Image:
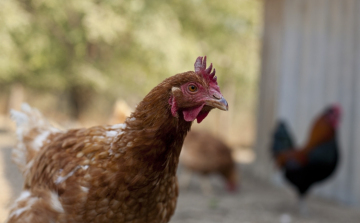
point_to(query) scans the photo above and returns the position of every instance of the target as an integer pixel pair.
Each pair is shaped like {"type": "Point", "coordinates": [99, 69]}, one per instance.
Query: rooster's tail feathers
{"type": "Point", "coordinates": [32, 129]}
{"type": "Point", "coordinates": [282, 139]}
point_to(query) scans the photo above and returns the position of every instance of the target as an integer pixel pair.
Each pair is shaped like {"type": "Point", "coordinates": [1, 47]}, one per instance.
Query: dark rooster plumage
{"type": "Point", "coordinates": [314, 162]}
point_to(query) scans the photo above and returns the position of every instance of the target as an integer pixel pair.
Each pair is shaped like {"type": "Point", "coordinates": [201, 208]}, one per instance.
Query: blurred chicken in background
{"type": "Point", "coordinates": [121, 111]}
{"type": "Point", "coordinates": [313, 162]}
{"type": "Point", "coordinates": [205, 154]}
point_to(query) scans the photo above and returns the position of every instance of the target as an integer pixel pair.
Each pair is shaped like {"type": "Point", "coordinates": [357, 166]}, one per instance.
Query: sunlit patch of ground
{"type": "Point", "coordinates": [244, 155]}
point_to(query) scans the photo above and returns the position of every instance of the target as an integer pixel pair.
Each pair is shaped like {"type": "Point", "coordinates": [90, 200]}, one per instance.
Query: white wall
{"type": "Point", "coordinates": [311, 58]}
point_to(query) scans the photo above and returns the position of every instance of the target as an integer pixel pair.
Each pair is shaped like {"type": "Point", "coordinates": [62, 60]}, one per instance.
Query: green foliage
{"type": "Point", "coordinates": [120, 47]}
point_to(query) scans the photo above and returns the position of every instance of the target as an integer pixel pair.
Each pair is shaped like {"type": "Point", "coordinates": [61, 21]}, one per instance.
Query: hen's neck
{"type": "Point", "coordinates": [152, 134]}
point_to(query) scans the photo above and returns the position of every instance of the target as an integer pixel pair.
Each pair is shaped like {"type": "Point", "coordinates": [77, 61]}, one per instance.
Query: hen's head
{"type": "Point", "coordinates": [194, 94]}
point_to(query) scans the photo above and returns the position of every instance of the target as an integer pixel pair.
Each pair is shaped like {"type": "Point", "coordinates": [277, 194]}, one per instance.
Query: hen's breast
{"type": "Point", "coordinates": [154, 202]}
{"type": "Point", "coordinates": [94, 182]}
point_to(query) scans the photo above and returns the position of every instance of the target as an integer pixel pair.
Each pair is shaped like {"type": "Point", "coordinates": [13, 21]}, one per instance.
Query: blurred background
{"type": "Point", "coordinates": [73, 60]}
{"type": "Point", "coordinates": [76, 60]}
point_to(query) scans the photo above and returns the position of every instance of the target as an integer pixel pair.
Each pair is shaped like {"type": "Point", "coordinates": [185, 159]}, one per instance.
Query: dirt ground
{"type": "Point", "coordinates": [256, 202]}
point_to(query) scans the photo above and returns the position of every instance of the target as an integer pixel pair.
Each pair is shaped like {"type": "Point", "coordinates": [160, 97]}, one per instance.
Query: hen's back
{"type": "Point", "coordinates": [56, 168]}
{"type": "Point", "coordinates": [32, 131]}
{"type": "Point", "coordinates": [205, 154]}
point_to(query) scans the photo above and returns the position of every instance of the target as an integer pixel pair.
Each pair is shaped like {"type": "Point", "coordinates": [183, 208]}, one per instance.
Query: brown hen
{"type": "Point", "coordinates": [205, 154]}
{"type": "Point", "coordinates": [119, 173]}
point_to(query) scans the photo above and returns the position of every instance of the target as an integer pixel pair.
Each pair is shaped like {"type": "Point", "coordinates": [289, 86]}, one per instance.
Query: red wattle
{"type": "Point", "coordinates": [201, 116]}
{"type": "Point", "coordinates": [192, 113]}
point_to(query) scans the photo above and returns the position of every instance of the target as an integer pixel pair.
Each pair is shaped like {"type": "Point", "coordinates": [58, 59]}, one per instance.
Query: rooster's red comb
{"type": "Point", "coordinates": [200, 68]}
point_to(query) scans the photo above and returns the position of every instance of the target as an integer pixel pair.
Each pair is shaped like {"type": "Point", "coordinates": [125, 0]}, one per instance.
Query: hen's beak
{"type": "Point", "coordinates": [219, 103]}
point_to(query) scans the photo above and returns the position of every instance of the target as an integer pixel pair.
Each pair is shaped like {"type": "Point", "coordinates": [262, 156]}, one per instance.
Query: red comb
{"type": "Point", "coordinates": [337, 108]}
{"type": "Point", "coordinates": [200, 68]}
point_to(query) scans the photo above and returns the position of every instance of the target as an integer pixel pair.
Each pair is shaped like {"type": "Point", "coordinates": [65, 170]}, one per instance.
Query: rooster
{"type": "Point", "coordinates": [205, 154]}
{"type": "Point", "coordinates": [119, 173]}
{"type": "Point", "coordinates": [316, 160]}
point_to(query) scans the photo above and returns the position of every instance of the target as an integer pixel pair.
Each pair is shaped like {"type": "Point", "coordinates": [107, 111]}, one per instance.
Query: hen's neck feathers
{"type": "Point", "coordinates": [152, 134]}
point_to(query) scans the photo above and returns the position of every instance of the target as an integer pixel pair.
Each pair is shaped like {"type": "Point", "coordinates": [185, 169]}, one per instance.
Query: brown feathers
{"type": "Point", "coordinates": [205, 154]}
{"type": "Point", "coordinates": [119, 173]}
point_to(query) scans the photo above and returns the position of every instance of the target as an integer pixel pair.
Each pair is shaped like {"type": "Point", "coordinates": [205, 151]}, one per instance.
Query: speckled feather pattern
{"type": "Point", "coordinates": [120, 173]}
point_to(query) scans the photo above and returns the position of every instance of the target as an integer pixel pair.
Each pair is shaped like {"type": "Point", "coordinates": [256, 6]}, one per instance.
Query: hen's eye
{"type": "Point", "coordinates": [192, 88]}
